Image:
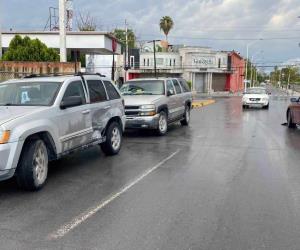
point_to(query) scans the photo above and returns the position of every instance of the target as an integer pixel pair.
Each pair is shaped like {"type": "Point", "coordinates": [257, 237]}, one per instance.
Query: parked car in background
{"type": "Point", "coordinates": [256, 97]}
{"type": "Point", "coordinates": [155, 103]}
{"type": "Point", "coordinates": [293, 113]}
{"type": "Point", "coordinates": [45, 118]}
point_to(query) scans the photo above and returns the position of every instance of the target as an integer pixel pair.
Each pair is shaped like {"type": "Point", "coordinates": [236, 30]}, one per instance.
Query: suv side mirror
{"type": "Point", "coordinates": [170, 92]}
{"type": "Point", "coordinates": [295, 99]}
{"type": "Point", "coordinates": [71, 101]}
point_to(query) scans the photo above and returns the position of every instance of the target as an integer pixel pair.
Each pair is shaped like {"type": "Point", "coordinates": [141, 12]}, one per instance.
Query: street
{"type": "Point", "coordinates": [231, 180]}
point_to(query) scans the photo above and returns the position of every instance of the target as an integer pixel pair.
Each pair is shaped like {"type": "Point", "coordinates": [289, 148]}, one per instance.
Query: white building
{"type": "Point", "coordinates": [205, 68]}
{"type": "Point", "coordinates": [87, 42]}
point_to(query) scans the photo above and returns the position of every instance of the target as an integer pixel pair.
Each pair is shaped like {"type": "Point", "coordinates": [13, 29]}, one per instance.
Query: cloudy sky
{"type": "Point", "coordinates": [221, 24]}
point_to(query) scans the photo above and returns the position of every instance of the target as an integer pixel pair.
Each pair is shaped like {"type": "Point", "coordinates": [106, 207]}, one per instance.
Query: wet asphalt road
{"type": "Point", "coordinates": [229, 181]}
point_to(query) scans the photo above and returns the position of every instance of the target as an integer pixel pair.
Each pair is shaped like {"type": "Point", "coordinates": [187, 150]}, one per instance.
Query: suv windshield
{"type": "Point", "coordinates": [152, 87]}
{"type": "Point", "coordinates": [256, 91]}
{"type": "Point", "coordinates": [28, 93]}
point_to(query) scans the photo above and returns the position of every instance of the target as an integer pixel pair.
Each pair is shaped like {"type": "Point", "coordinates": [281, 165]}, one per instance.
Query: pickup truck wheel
{"type": "Point", "coordinates": [290, 120]}
{"type": "Point", "coordinates": [113, 142]}
{"type": "Point", "coordinates": [162, 123]}
{"type": "Point", "coordinates": [32, 170]}
{"type": "Point", "coordinates": [187, 116]}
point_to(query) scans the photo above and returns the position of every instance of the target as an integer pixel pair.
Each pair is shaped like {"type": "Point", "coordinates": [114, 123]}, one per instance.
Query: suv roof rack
{"type": "Point", "coordinates": [41, 75]}
{"type": "Point", "coordinates": [89, 74]}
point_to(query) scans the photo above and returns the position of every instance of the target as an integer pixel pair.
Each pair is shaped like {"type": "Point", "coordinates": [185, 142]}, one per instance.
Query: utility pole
{"type": "Point", "coordinates": [126, 50]}
{"type": "Point", "coordinates": [154, 53]}
{"type": "Point", "coordinates": [62, 30]}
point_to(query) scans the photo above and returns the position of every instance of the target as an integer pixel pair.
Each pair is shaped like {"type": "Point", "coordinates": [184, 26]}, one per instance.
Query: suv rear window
{"type": "Point", "coordinates": [96, 91]}
{"type": "Point", "coordinates": [184, 85]}
{"type": "Point", "coordinates": [111, 91]}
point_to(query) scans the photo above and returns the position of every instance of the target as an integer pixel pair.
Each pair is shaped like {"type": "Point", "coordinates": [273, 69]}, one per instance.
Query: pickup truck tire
{"type": "Point", "coordinates": [32, 169]}
{"type": "Point", "coordinates": [290, 120]}
{"type": "Point", "coordinates": [113, 142]}
{"type": "Point", "coordinates": [162, 128]}
{"type": "Point", "coordinates": [187, 116]}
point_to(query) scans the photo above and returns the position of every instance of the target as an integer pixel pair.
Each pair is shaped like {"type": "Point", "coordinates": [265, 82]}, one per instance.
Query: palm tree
{"type": "Point", "coordinates": [166, 24]}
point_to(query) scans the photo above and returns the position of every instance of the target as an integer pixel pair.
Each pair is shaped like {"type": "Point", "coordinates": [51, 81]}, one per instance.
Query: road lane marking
{"type": "Point", "coordinates": [76, 221]}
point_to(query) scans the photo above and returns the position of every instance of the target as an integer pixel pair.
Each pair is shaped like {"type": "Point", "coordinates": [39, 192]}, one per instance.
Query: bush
{"type": "Point", "coordinates": [190, 84]}
{"type": "Point", "coordinates": [26, 49]}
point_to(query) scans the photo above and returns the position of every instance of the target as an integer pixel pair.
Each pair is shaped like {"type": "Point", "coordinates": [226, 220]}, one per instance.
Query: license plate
{"type": "Point", "coordinates": [256, 105]}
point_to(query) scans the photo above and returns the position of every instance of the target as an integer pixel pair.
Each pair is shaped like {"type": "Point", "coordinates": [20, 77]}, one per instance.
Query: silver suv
{"type": "Point", "coordinates": [45, 118]}
{"type": "Point", "coordinates": [155, 103]}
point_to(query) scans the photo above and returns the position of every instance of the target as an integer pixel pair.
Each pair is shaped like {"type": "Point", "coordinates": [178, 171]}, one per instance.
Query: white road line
{"type": "Point", "coordinates": [76, 221]}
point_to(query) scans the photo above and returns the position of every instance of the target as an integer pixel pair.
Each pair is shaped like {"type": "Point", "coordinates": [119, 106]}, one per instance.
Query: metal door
{"type": "Point", "coordinates": [199, 83]}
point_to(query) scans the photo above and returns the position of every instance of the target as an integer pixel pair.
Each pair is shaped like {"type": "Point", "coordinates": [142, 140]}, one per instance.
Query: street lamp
{"type": "Point", "coordinates": [252, 60]}
{"type": "Point", "coordinates": [248, 45]}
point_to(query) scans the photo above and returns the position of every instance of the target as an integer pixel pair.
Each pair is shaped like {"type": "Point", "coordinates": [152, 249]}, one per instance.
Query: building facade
{"type": "Point", "coordinates": [208, 70]}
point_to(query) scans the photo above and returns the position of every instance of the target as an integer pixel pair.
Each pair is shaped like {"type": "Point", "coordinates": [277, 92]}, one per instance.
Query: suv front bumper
{"type": "Point", "coordinates": [143, 122]}
{"type": "Point", "coordinates": [8, 155]}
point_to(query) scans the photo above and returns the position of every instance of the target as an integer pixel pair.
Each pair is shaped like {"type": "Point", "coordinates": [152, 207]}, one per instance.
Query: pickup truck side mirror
{"type": "Point", "coordinates": [170, 92]}
{"type": "Point", "coordinates": [71, 101]}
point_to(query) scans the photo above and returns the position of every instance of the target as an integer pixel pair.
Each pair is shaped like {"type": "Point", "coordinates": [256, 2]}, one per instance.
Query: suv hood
{"type": "Point", "coordinates": [9, 113]}
{"type": "Point", "coordinates": [135, 100]}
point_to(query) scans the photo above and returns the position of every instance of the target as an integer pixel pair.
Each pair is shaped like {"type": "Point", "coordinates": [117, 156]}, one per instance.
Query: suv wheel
{"type": "Point", "coordinates": [113, 142]}
{"type": "Point", "coordinates": [162, 123]}
{"type": "Point", "coordinates": [290, 120]}
{"type": "Point", "coordinates": [32, 170]}
{"type": "Point", "coordinates": [187, 116]}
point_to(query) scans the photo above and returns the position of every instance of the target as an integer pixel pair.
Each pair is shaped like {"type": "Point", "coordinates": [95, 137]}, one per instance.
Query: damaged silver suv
{"type": "Point", "coordinates": [45, 118]}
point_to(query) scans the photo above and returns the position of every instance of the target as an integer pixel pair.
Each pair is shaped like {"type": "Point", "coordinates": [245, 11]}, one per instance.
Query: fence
{"type": "Point", "coordinates": [4, 76]}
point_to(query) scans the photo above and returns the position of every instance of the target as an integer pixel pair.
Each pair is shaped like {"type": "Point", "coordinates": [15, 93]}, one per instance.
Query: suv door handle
{"type": "Point", "coordinates": [107, 107]}
{"type": "Point", "coordinates": [85, 112]}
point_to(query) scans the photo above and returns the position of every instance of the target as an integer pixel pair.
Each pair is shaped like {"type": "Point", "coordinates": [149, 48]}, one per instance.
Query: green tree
{"type": "Point", "coordinates": [25, 49]}
{"type": "Point", "coordinates": [120, 34]}
{"type": "Point", "coordinates": [166, 24]}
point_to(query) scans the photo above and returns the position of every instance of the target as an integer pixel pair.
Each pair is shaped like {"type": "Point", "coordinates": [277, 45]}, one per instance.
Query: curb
{"type": "Point", "coordinates": [200, 104]}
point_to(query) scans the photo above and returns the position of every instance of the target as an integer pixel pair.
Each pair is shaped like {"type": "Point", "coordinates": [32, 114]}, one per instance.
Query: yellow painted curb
{"type": "Point", "coordinates": [202, 103]}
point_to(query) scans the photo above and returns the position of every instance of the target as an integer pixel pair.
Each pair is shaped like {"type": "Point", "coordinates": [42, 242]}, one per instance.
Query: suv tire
{"type": "Point", "coordinates": [32, 169]}
{"type": "Point", "coordinates": [187, 116]}
{"type": "Point", "coordinates": [162, 128]}
{"type": "Point", "coordinates": [113, 142]}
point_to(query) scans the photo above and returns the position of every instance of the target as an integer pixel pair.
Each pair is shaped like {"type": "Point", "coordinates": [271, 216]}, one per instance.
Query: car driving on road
{"type": "Point", "coordinates": [256, 97]}
{"type": "Point", "coordinates": [155, 103]}
{"type": "Point", "coordinates": [45, 118]}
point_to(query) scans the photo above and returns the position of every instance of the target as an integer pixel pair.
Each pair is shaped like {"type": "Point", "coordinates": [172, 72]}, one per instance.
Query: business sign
{"type": "Point", "coordinates": [203, 61]}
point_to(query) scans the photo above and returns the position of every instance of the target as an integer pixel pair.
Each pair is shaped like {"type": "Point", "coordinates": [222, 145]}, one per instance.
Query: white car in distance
{"type": "Point", "coordinates": [256, 97]}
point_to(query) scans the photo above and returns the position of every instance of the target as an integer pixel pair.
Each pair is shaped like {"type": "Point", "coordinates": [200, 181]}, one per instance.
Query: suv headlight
{"type": "Point", "coordinates": [147, 107]}
{"type": "Point", "coordinates": [147, 110]}
{"type": "Point", "coordinates": [4, 136]}
{"type": "Point", "coordinates": [245, 99]}
{"type": "Point", "coordinates": [265, 99]}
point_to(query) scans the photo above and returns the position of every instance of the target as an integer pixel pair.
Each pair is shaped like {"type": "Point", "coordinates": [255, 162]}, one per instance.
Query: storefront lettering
{"type": "Point", "coordinates": [203, 61]}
